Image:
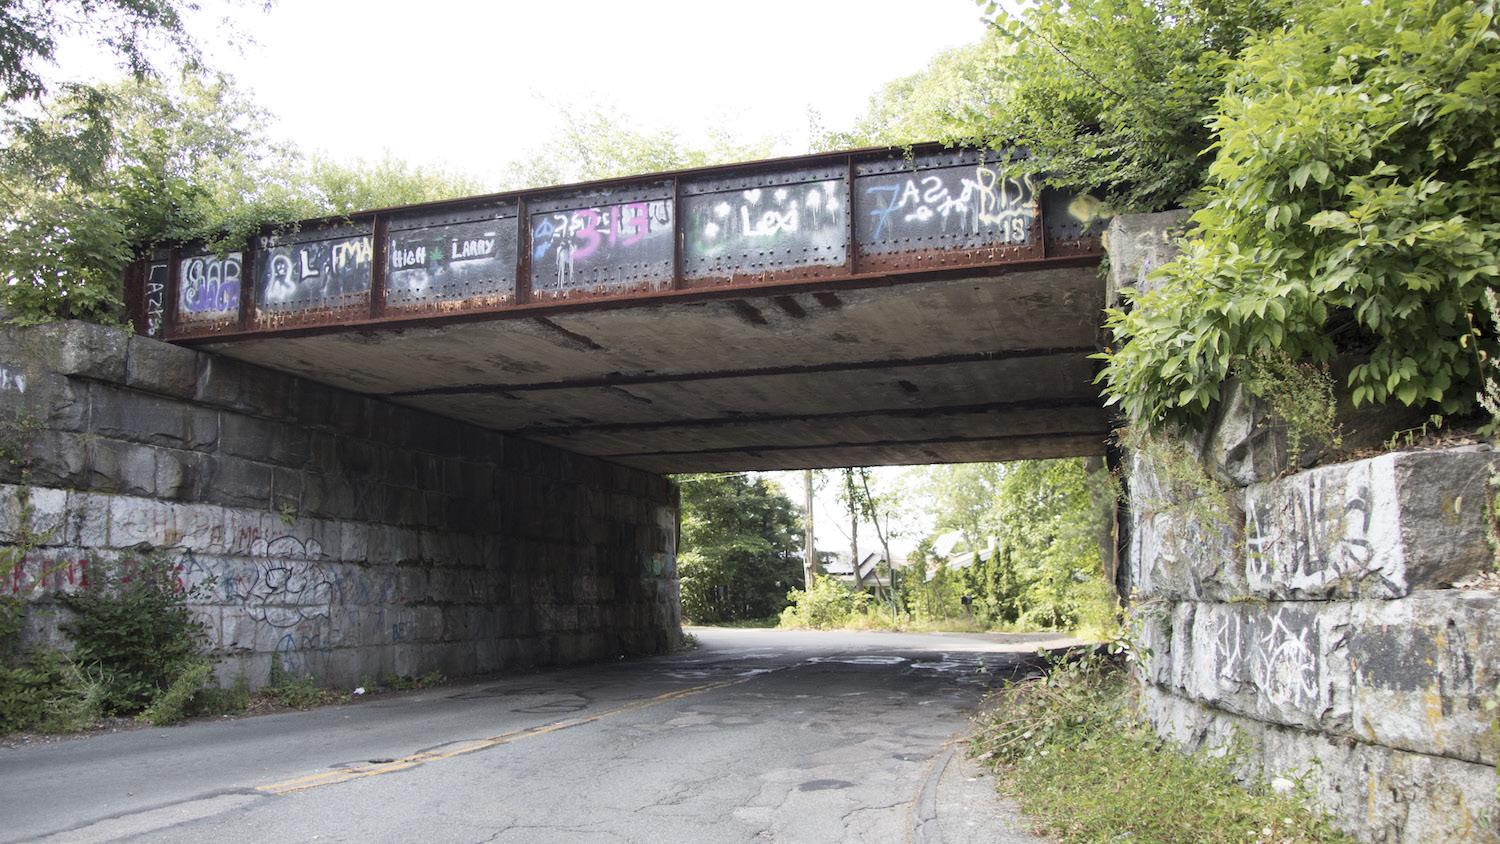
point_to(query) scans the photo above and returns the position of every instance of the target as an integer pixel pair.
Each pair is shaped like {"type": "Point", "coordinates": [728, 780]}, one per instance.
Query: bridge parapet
{"type": "Point", "coordinates": [866, 216]}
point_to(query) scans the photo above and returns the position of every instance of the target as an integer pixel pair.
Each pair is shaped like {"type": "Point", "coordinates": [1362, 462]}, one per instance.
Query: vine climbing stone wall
{"type": "Point", "coordinates": [1330, 624]}
{"type": "Point", "coordinates": [345, 536]}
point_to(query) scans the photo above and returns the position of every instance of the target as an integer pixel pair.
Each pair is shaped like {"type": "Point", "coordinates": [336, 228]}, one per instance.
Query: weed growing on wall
{"type": "Point", "coordinates": [297, 691]}
{"type": "Point", "coordinates": [1488, 395]}
{"type": "Point", "coordinates": [174, 703]}
{"type": "Point", "coordinates": [1494, 706]}
{"type": "Point", "coordinates": [1179, 476]}
{"type": "Point", "coordinates": [1300, 395]}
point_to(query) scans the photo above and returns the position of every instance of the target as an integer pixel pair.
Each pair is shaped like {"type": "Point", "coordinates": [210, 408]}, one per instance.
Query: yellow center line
{"type": "Point", "coordinates": [333, 777]}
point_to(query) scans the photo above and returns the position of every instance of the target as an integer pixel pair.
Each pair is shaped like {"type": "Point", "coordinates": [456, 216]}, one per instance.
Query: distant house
{"type": "Point", "coordinates": [870, 575]}
{"type": "Point", "coordinates": [954, 554]}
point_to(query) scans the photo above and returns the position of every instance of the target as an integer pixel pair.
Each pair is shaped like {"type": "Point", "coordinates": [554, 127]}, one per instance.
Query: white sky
{"type": "Point", "coordinates": [469, 85]}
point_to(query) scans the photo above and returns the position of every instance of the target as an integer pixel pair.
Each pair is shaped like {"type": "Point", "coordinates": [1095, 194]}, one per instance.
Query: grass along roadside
{"type": "Point", "coordinates": [1071, 749]}
{"type": "Point", "coordinates": [286, 692]}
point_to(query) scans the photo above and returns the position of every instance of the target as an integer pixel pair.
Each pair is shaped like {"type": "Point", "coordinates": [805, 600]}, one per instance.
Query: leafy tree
{"type": "Point", "coordinates": [960, 497]}
{"type": "Point", "coordinates": [934, 599]}
{"type": "Point", "coordinates": [1116, 94]}
{"type": "Point", "coordinates": [1351, 212]}
{"type": "Point", "coordinates": [934, 104]}
{"type": "Point", "coordinates": [128, 29]}
{"type": "Point", "coordinates": [1107, 95]}
{"type": "Point", "coordinates": [741, 547]}
{"type": "Point", "coordinates": [104, 174]}
{"type": "Point", "coordinates": [345, 187]}
{"type": "Point", "coordinates": [1048, 569]}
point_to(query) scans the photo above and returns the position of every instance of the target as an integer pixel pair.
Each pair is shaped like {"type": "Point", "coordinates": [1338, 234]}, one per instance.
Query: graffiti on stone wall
{"type": "Point", "coordinates": [1228, 658]}
{"type": "Point", "coordinates": [12, 380]}
{"type": "Point", "coordinates": [289, 596]}
{"type": "Point", "coordinates": [1321, 530]}
{"type": "Point", "coordinates": [278, 592]}
{"type": "Point", "coordinates": [1287, 661]}
{"type": "Point", "coordinates": [42, 572]}
{"type": "Point", "coordinates": [1276, 654]}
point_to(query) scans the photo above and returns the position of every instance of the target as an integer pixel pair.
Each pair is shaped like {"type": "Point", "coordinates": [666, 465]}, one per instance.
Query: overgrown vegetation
{"type": "Point", "coordinates": [1342, 156]}
{"type": "Point", "coordinates": [1348, 211]}
{"type": "Point", "coordinates": [100, 174]}
{"type": "Point", "coordinates": [136, 649]}
{"type": "Point", "coordinates": [1047, 570]}
{"type": "Point", "coordinates": [1071, 749]}
{"type": "Point", "coordinates": [1034, 531]}
{"type": "Point", "coordinates": [130, 621]}
{"type": "Point", "coordinates": [828, 604]}
{"type": "Point", "coordinates": [104, 173]}
{"type": "Point", "coordinates": [1115, 95]}
{"type": "Point", "coordinates": [1177, 474]}
{"type": "Point", "coordinates": [295, 690]}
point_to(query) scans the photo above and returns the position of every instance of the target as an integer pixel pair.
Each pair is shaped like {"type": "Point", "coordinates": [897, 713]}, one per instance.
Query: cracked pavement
{"type": "Point", "coordinates": [758, 735]}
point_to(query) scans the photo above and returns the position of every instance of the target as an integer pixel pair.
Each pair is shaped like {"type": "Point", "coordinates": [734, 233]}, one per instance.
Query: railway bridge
{"type": "Point", "coordinates": [855, 308]}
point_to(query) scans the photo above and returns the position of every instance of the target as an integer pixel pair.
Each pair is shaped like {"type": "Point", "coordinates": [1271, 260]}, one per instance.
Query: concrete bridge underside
{"type": "Point", "coordinates": [983, 368]}
{"type": "Point", "coordinates": [944, 314]}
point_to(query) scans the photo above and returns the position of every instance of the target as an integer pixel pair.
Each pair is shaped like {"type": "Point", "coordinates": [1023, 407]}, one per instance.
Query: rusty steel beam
{"type": "Point", "coordinates": [528, 310]}
{"type": "Point", "coordinates": [627, 380]}
{"type": "Point", "coordinates": [1081, 403]}
{"type": "Point", "coordinates": [1102, 433]}
{"type": "Point", "coordinates": [809, 223]}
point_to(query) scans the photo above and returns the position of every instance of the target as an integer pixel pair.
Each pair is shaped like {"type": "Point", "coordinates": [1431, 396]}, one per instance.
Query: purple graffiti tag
{"type": "Point", "coordinates": [586, 226]}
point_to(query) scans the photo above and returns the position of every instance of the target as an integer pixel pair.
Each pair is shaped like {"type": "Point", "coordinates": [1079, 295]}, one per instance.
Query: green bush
{"type": "Point", "coordinates": [131, 622]}
{"type": "Point", "coordinates": [405, 683]}
{"type": "Point", "coordinates": [46, 691]}
{"type": "Point", "coordinates": [217, 700]}
{"type": "Point", "coordinates": [827, 605]}
{"type": "Point", "coordinates": [1350, 211]}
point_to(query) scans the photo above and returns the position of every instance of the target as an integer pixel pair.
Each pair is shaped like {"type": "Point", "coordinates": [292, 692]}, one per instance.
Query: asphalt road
{"type": "Point", "coordinates": [757, 735]}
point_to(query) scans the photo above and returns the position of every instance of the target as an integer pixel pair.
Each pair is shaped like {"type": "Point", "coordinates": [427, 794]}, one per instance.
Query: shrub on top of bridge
{"type": "Point", "coordinates": [1111, 95]}
{"type": "Point", "coordinates": [1350, 212]}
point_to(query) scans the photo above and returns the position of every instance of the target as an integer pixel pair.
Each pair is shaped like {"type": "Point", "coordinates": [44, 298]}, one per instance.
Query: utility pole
{"type": "Point", "coordinates": [809, 550]}
{"type": "Point", "coordinates": [853, 499]}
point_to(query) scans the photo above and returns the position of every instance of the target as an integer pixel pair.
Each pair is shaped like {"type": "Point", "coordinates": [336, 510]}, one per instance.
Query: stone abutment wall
{"type": "Point", "coordinates": [347, 537]}
{"type": "Point", "coordinates": [1328, 622]}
